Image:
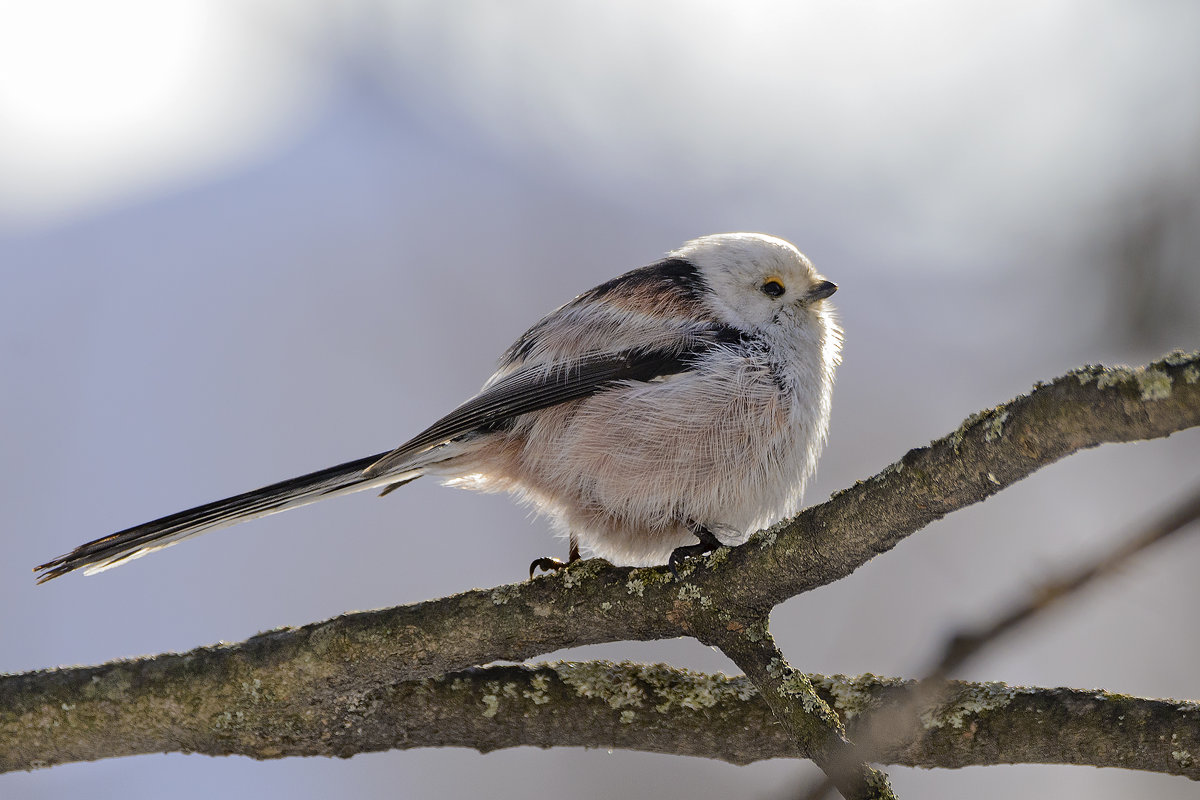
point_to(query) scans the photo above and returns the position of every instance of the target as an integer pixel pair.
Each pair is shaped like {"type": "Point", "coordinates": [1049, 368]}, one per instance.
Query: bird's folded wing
{"type": "Point", "coordinates": [538, 387]}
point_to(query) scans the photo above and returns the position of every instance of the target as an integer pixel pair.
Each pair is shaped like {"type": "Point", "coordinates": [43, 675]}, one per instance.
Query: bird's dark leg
{"type": "Point", "coordinates": [548, 564]}
{"type": "Point", "coordinates": [707, 544]}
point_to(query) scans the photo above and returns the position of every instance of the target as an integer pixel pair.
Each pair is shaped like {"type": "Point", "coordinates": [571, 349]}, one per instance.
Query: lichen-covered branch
{"type": "Point", "coordinates": [592, 602]}
{"type": "Point", "coordinates": [793, 699]}
{"type": "Point", "coordinates": [991, 450]}
{"type": "Point", "coordinates": [302, 670]}
{"type": "Point", "coordinates": [651, 708]}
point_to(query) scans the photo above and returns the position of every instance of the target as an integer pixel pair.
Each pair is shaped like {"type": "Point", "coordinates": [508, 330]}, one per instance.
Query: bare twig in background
{"type": "Point", "coordinates": [1153, 236]}
{"type": "Point", "coordinates": [288, 691]}
{"type": "Point", "coordinates": [967, 643]}
{"type": "Point", "coordinates": [887, 729]}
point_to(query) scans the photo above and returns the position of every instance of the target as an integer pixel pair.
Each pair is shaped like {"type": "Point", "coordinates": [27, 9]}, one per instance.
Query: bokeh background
{"type": "Point", "coordinates": [245, 239]}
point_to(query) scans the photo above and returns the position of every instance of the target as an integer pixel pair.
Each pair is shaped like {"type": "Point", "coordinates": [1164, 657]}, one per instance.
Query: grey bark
{"type": "Point", "coordinates": [655, 708]}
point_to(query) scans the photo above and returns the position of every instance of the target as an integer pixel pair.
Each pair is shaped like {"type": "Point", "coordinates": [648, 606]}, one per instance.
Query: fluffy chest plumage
{"type": "Point", "coordinates": [723, 443]}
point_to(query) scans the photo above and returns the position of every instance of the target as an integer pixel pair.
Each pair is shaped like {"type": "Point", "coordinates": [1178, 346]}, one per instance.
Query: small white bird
{"type": "Point", "coordinates": [673, 409]}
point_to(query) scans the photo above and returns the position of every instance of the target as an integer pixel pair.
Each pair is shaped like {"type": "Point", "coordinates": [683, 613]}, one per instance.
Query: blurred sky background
{"type": "Point", "coordinates": [245, 239]}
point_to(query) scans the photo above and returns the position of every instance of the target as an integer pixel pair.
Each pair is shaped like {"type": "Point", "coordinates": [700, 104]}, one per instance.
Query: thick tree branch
{"type": "Point", "coordinates": [651, 708]}
{"type": "Point", "coordinates": [991, 450]}
{"type": "Point", "coordinates": [592, 602]}
{"type": "Point", "coordinates": [356, 655]}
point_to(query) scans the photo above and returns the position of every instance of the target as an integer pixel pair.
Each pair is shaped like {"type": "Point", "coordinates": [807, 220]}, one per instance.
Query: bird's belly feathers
{"type": "Point", "coordinates": [627, 470]}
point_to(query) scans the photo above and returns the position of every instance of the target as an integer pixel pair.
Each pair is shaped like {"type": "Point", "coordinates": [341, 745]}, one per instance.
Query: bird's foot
{"type": "Point", "coordinates": [707, 544]}
{"type": "Point", "coordinates": [548, 564]}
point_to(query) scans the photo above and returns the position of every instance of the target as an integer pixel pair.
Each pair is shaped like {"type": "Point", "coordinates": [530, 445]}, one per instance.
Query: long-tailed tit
{"type": "Point", "coordinates": [687, 400]}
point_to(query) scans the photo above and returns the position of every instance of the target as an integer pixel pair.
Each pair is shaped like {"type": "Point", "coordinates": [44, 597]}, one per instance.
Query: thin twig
{"type": "Point", "coordinates": [884, 729]}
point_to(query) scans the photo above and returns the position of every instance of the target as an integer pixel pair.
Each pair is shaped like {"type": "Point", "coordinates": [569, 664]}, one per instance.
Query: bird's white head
{"type": "Point", "coordinates": [758, 281]}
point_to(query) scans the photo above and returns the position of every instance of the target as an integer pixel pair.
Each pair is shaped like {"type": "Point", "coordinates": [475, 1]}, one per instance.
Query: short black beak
{"type": "Point", "coordinates": [822, 290]}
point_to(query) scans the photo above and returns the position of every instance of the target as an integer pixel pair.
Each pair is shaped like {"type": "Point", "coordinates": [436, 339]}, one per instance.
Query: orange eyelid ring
{"type": "Point", "coordinates": [772, 286]}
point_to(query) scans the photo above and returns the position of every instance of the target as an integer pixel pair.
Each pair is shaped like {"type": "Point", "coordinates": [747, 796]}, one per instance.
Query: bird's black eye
{"type": "Point", "coordinates": [772, 288]}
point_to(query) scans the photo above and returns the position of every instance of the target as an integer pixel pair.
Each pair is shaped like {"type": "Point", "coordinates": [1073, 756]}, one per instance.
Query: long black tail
{"type": "Point", "coordinates": [131, 543]}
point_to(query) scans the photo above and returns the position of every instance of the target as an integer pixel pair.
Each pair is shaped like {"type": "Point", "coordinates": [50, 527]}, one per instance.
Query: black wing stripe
{"type": "Point", "coordinates": [534, 389]}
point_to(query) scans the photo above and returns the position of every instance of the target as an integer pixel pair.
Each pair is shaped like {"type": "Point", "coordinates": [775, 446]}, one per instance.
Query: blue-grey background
{"type": "Point", "coordinates": [244, 240]}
